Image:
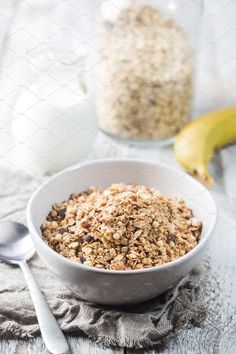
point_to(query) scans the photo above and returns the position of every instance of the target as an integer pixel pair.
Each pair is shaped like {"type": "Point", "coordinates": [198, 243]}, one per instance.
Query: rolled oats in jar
{"type": "Point", "coordinates": [144, 73]}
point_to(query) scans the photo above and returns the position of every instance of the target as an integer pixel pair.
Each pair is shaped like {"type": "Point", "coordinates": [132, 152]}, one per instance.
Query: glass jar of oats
{"type": "Point", "coordinates": [145, 68]}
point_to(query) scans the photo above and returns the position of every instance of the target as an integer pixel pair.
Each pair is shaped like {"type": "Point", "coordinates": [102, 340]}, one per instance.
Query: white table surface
{"type": "Point", "coordinates": [216, 87]}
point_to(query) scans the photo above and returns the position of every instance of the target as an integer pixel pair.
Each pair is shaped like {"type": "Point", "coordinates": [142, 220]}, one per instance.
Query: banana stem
{"type": "Point", "coordinates": [203, 175]}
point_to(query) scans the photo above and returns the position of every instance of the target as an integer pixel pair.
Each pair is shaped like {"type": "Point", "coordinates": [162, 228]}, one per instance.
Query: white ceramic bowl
{"type": "Point", "coordinates": [120, 287]}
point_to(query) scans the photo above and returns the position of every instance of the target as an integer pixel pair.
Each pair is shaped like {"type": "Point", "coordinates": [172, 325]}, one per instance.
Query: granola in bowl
{"type": "Point", "coordinates": [126, 226]}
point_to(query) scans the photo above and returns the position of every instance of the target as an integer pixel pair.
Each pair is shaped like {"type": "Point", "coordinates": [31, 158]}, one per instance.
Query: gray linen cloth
{"type": "Point", "coordinates": [143, 325]}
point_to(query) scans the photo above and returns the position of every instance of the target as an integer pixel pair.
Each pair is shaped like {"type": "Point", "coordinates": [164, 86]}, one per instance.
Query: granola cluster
{"type": "Point", "coordinates": [122, 227]}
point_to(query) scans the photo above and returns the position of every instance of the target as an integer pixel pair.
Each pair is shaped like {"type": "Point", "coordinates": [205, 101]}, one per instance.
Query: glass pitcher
{"type": "Point", "coordinates": [54, 122]}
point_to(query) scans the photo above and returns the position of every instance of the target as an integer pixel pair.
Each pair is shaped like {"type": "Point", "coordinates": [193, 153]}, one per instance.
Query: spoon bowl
{"type": "Point", "coordinates": [15, 242]}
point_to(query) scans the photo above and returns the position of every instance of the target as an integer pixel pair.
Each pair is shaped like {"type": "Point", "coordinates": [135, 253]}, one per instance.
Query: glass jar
{"type": "Point", "coordinates": [146, 68]}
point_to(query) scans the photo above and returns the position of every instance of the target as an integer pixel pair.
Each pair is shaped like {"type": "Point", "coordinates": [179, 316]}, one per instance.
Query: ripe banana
{"type": "Point", "coordinates": [197, 142]}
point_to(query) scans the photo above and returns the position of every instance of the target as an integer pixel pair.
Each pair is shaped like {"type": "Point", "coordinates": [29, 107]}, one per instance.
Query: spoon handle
{"type": "Point", "coordinates": [50, 330]}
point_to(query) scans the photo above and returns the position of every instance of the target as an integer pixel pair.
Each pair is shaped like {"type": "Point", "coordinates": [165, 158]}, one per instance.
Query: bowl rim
{"type": "Point", "coordinates": [37, 238]}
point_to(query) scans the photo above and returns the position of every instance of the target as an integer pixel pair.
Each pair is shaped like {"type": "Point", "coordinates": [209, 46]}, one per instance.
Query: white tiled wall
{"type": "Point", "coordinates": [25, 23]}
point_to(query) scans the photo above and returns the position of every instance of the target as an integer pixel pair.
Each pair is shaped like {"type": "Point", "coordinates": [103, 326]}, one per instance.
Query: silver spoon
{"type": "Point", "coordinates": [16, 247]}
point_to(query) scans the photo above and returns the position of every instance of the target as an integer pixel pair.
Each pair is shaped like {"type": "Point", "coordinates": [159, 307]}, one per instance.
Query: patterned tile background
{"type": "Point", "coordinates": [25, 25]}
